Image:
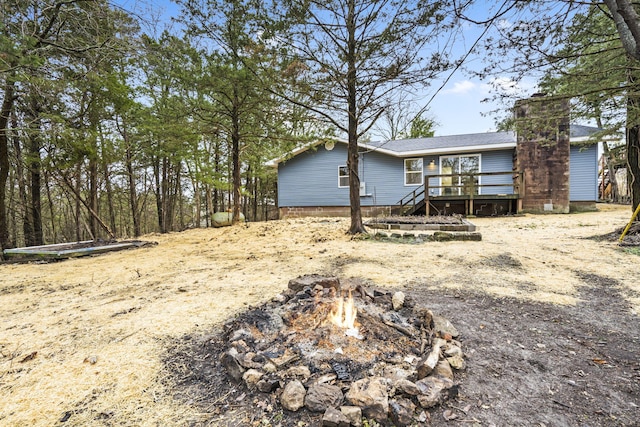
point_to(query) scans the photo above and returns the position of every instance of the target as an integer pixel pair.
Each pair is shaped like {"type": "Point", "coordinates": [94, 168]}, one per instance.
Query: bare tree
{"type": "Point", "coordinates": [356, 58]}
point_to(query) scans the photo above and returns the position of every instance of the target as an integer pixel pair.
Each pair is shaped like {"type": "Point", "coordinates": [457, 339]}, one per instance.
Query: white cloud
{"type": "Point", "coordinates": [461, 88]}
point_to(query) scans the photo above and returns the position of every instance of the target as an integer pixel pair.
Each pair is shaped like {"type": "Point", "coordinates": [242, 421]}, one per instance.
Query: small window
{"type": "Point", "coordinates": [413, 174]}
{"type": "Point", "coordinates": [343, 176]}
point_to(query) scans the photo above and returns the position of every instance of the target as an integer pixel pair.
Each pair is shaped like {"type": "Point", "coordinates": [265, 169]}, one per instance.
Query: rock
{"type": "Point", "coordinates": [427, 364]}
{"type": "Point", "coordinates": [371, 395]}
{"type": "Point", "coordinates": [443, 370]}
{"type": "Point", "coordinates": [424, 316]}
{"type": "Point", "coordinates": [298, 371]}
{"type": "Point", "coordinates": [395, 373]}
{"type": "Point", "coordinates": [322, 396]}
{"type": "Point", "coordinates": [443, 326]}
{"type": "Point", "coordinates": [268, 385]}
{"type": "Point", "coordinates": [285, 359]}
{"type": "Point", "coordinates": [270, 368]}
{"type": "Point", "coordinates": [424, 418]}
{"type": "Point", "coordinates": [407, 387]}
{"type": "Point", "coordinates": [311, 280]}
{"type": "Point", "coordinates": [241, 346]}
{"type": "Point", "coordinates": [353, 414]}
{"type": "Point", "coordinates": [292, 397]}
{"type": "Point", "coordinates": [457, 362]}
{"type": "Point", "coordinates": [230, 361]}
{"type": "Point", "coordinates": [433, 391]}
{"type": "Point", "coordinates": [397, 301]}
{"type": "Point", "coordinates": [251, 377]}
{"type": "Point", "coordinates": [334, 418]}
{"type": "Point", "coordinates": [325, 378]}
{"type": "Point", "coordinates": [402, 412]}
{"type": "Point", "coordinates": [280, 298]}
{"type": "Point", "coordinates": [247, 362]}
{"type": "Point", "coordinates": [452, 350]}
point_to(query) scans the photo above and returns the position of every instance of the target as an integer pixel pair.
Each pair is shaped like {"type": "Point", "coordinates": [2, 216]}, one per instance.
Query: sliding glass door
{"type": "Point", "coordinates": [465, 166]}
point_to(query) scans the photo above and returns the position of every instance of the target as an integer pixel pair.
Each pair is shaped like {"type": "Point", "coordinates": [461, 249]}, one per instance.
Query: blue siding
{"type": "Point", "coordinates": [583, 174]}
{"type": "Point", "coordinates": [384, 179]}
{"type": "Point", "coordinates": [497, 161]}
{"type": "Point", "coordinates": [311, 178]}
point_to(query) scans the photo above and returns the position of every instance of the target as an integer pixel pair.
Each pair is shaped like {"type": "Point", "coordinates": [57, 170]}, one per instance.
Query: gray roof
{"type": "Point", "coordinates": [580, 131]}
{"type": "Point", "coordinates": [447, 142]}
{"type": "Point", "coordinates": [444, 144]}
{"type": "Point", "coordinates": [471, 141]}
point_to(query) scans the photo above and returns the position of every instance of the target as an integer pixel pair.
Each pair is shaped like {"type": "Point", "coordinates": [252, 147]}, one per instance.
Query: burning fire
{"type": "Point", "coordinates": [344, 312]}
{"type": "Point", "coordinates": [343, 315]}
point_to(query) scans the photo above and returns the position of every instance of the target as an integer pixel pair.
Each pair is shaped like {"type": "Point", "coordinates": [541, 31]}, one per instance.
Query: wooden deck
{"type": "Point", "coordinates": [469, 193]}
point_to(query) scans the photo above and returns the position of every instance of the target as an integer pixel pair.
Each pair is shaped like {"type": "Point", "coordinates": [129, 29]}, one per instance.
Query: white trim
{"type": "Point", "coordinates": [343, 176]}
{"type": "Point", "coordinates": [413, 172]}
{"type": "Point", "coordinates": [442, 150]}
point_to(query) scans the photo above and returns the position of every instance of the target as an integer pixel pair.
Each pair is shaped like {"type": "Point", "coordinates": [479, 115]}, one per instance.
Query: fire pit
{"type": "Point", "coordinates": [344, 350]}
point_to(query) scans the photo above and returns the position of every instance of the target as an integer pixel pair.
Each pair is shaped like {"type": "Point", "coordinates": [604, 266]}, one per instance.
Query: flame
{"type": "Point", "coordinates": [344, 313]}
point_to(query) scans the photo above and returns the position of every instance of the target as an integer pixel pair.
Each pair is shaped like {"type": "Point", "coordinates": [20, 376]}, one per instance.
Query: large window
{"type": "Point", "coordinates": [343, 176]}
{"type": "Point", "coordinates": [465, 166]}
{"type": "Point", "coordinates": [413, 172]}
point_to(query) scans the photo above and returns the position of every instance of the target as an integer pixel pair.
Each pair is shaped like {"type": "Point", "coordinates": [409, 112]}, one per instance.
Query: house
{"type": "Point", "coordinates": [537, 169]}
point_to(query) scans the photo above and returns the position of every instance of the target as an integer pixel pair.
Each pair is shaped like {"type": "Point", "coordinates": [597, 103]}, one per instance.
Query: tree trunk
{"type": "Point", "coordinates": [217, 170]}
{"type": "Point", "coordinates": [633, 164]}
{"type": "Point", "coordinates": [52, 211]}
{"type": "Point", "coordinates": [235, 154]}
{"type": "Point", "coordinates": [352, 148]}
{"type": "Point", "coordinates": [23, 197]}
{"type": "Point", "coordinates": [78, 205]}
{"type": "Point", "coordinates": [255, 198]}
{"type": "Point", "coordinates": [93, 194]}
{"type": "Point", "coordinates": [109, 190]}
{"type": "Point", "coordinates": [633, 142]}
{"type": "Point", "coordinates": [615, 194]}
{"type": "Point", "coordinates": [5, 111]}
{"type": "Point", "coordinates": [133, 197]}
{"type": "Point", "coordinates": [210, 204]}
{"type": "Point", "coordinates": [36, 181]}
{"type": "Point", "coordinates": [158, 190]}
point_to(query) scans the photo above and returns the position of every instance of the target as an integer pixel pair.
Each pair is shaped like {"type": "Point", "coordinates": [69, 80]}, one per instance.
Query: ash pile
{"type": "Point", "coordinates": [346, 351]}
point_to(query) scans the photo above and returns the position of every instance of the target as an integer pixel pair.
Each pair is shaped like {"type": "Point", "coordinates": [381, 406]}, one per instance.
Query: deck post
{"type": "Point", "coordinates": [426, 195]}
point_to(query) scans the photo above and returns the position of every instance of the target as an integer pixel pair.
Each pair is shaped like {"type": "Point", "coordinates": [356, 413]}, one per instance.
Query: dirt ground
{"type": "Point", "coordinates": [548, 318]}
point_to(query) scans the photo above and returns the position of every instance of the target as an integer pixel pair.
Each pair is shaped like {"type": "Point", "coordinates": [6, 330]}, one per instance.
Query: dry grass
{"type": "Point", "coordinates": [120, 310]}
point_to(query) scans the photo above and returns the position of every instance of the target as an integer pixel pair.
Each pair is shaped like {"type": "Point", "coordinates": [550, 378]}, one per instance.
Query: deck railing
{"type": "Point", "coordinates": [466, 186]}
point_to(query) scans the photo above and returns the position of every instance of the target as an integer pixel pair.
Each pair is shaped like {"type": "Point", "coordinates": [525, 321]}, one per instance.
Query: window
{"type": "Point", "coordinates": [343, 176]}
{"type": "Point", "coordinates": [463, 168]}
{"type": "Point", "coordinates": [413, 172]}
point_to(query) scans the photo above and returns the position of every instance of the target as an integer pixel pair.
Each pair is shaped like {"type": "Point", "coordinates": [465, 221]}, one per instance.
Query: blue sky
{"type": "Point", "coordinates": [457, 107]}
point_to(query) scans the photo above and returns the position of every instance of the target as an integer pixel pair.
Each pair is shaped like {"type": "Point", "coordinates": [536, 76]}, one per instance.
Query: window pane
{"type": "Point", "coordinates": [413, 165]}
{"type": "Point", "coordinates": [469, 164]}
{"type": "Point", "coordinates": [343, 176]}
{"type": "Point", "coordinates": [414, 178]}
{"type": "Point", "coordinates": [449, 165]}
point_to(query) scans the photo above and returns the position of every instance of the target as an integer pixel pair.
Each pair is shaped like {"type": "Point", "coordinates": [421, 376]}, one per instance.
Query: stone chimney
{"type": "Point", "coordinates": [542, 153]}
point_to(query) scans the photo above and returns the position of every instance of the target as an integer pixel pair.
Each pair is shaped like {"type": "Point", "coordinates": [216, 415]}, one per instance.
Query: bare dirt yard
{"type": "Point", "coordinates": [548, 316]}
